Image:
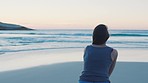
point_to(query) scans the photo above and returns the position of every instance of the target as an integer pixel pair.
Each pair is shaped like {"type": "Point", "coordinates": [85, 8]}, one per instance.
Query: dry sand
{"type": "Point", "coordinates": [65, 66]}
{"type": "Point", "coordinates": [125, 72]}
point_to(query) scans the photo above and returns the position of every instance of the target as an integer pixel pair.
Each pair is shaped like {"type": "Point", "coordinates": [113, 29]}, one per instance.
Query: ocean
{"type": "Point", "coordinates": [16, 41]}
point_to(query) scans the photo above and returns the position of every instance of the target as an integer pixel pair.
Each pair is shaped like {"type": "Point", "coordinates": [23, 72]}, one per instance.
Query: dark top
{"type": "Point", "coordinates": [97, 61]}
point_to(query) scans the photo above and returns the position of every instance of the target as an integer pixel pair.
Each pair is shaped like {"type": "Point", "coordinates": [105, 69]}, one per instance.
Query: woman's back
{"type": "Point", "coordinates": [97, 61]}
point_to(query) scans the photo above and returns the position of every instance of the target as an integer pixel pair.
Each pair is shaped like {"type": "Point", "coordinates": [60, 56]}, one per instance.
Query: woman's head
{"type": "Point", "coordinates": [100, 34]}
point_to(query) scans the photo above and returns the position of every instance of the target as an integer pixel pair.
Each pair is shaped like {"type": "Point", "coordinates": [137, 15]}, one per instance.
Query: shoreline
{"type": "Point", "coordinates": [23, 60]}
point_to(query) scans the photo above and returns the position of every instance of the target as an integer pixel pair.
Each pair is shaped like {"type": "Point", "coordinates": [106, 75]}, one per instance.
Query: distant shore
{"type": "Point", "coordinates": [9, 26]}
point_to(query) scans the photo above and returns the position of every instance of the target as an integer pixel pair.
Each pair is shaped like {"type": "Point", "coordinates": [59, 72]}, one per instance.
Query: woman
{"type": "Point", "coordinates": [99, 59]}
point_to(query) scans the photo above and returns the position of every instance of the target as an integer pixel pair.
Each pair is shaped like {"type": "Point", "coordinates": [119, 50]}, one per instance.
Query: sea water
{"type": "Point", "coordinates": [30, 40]}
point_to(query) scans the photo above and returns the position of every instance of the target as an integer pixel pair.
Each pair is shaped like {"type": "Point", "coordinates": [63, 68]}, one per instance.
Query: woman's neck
{"type": "Point", "coordinates": [102, 45]}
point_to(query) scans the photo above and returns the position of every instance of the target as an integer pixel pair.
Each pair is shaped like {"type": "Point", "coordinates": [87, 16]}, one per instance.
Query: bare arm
{"type": "Point", "coordinates": [114, 55]}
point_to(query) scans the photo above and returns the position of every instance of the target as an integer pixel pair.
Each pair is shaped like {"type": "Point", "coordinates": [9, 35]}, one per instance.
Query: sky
{"type": "Point", "coordinates": [75, 14]}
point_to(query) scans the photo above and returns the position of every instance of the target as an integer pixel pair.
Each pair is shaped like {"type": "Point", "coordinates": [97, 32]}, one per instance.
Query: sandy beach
{"type": "Point", "coordinates": [43, 41]}
{"type": "Point", "coordinates": [65, 66]}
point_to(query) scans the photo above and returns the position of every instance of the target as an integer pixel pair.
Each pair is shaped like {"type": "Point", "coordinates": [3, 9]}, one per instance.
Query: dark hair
{"type": "Point", "coordinates": [100, 34]}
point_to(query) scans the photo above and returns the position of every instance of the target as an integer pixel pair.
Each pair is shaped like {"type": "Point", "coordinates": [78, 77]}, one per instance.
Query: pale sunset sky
{"type": "Point", "coordinates": [75, 14]}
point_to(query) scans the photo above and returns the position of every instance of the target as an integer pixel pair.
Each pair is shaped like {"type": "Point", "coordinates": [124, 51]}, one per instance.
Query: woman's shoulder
{"type": "Point", "coordinates": [88, 46]}
{"type": "Point", "coordinates": [114, 54]}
